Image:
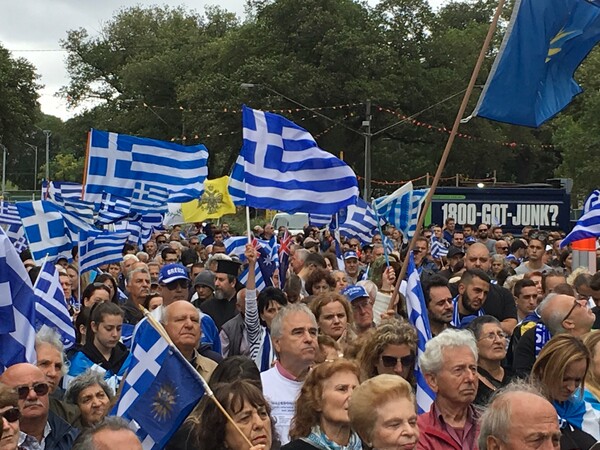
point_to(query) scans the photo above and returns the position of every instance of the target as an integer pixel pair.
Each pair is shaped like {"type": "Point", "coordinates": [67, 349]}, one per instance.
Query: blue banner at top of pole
{"type": "Point", "coordinates": [281, 167]}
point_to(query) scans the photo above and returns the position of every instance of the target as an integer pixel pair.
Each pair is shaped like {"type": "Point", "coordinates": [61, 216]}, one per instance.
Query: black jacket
{"type": "Point", "coordinates": [62, 435]}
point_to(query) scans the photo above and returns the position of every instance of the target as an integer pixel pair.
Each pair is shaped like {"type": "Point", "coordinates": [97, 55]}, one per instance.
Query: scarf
{"type": "Point", "coordinates": [542, 336]}
{"type": "Point", "coordinates": [459, 323]}
{"type": "Point", "coordinates": [319, 439]}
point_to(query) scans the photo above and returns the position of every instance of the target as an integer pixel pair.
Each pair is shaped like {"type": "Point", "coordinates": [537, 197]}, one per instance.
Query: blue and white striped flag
{"type": "Point", "coordinates": [359, 221]}
{"type": "Point", "coordinates": [588, 225]}
{"type": "Point", "coordinates": [438, 249]}
{"type": "Point", "coordinates": [9, 214]}
{"type": "Point", "coordinates": [236, 246]}
{"type": "Point", "coordinates": [417, 315]}
{"type": "Point", "coordinates": [160, 390]}
{"type": "Point", "coordinates": [16, 234]}
{"type": "Point", "coordinates": [45, 229]}
{"type": "Point", "coordinates": [402, 208]}
{"type": "Point", "coordinates": [17, 308]}
{"type": "Point", "coordinates": [113, 209]}
{"type": "Point", "coordinates": [65, 189]}
{"type": "Point", "coordinates": [281, 167]}
{"type": "Point", "coordinates": [100, 247]}
{"type": "Point", "coordinates": [77, 214]}
{"type": "Point", "coordinates": [319, 220]}
{"type": "Point", "coordinates": [147, 171]}
{"type": "Point", "coordinates": [51, 306]}
{"type": "Point", "coordinates": [140, 231]}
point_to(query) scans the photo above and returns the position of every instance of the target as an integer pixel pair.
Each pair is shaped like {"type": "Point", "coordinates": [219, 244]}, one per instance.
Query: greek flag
{"type": "Point", "coordinates": [77, 214]}
{"type": "Point", "coordinates": [65, 189]}
{"type": "Point", "coordinates": [402, 208]}
{"type": "Point", "coordinates": [236, 246]}
{"type": "Point", "coordinates": [417, 315]}
{"type": "Point", "coordinates": [17, 308]}
{"type": "Point", "coordinates": [359, 221]}
{"type": "Point", "coordinates": [160, 390]}
{"type": "Point", "coordinates": [281, 167]}
{"type": "Point", "coordinates": [588, 225]}
{"type": "Point", "coordinates": [51, 306]}
{"type": "Point", "coordinates": [147, 171]}
{"type": "Point", "coordinates": [319, 220]}
{"type": "Point", "coordinates": [100, 247]}
{"type": "Point", "coordinates": [140, 231]}
{"type": "Point", "coordinates": [16, 234]}
{"type": "Point", "coordinates": [113, 209]}
{"type": "Point", "coordinates": [9, 214]}
{"type": "Point", "coordinates": [438, 249]}
{"type": "Point", "coordinates": [45, 229]}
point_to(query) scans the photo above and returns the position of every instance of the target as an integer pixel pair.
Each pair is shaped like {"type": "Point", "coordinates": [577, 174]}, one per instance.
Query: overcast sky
{"type": "Point", "coordinates": [32, 29]}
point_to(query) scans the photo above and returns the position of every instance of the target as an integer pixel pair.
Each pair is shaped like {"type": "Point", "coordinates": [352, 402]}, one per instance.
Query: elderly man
{"type": "Point", "coordinates": [449, 365]}
{"type": "Point", "coordinates": [222, 307]}
{"type": "Point", "coordinates": [182, 323]}
{"type": "Point", "coordinates": [507, 425]}
{"type": "Point", "coordinates": [138, 283]}
{"type": "Point", "coordinates": [112, 433]}
{"type": "Point", "coordinates": [294, 335]}
{"type": "Point", "coordinates": [362, 307]}
{"type": "Point", "coordinates": [559, 314]}
{"type": "Point", "coordinates": [40, 426]}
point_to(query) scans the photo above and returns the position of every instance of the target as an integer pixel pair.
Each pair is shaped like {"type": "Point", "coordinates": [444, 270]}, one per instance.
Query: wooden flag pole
{"type": "Point", "coordinates": [160, 329]}
{"type": "Point", "coordinates": [446, 153]}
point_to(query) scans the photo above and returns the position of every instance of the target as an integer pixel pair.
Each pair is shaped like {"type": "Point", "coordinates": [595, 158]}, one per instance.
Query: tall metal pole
{"type": "Point", "coordinates": [367, 124]}
{"type": "Point", "coordinates": [35, 169]}
{"type": "Point", "coordinates": [48, 133]}
{"type": "Point", "coordinates": [3, 170]}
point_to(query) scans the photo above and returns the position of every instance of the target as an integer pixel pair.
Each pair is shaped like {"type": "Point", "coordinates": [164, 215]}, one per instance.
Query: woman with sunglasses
{"type": "Point", "coordinates": [10, 416]}
{"type": "Point", "coordinates": [389, 349]}
{"type": "Point", "coordinates": [321, 420]}
{"type": "Point", "coordinates": [491, 347]}
{"type": "Point", "coordinates": [561, 370]}
{"type": "Point", "coordinates": [102, 352]}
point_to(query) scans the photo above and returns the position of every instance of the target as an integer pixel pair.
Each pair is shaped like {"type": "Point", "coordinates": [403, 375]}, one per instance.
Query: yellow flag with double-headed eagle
{"type": "Point", "coordinates": [214, 203]}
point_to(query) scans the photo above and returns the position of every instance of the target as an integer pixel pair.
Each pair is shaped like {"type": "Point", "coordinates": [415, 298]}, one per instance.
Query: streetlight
{"type": "Point", "coordinates": [366, 123]}
{"type": "Point", "coordinates": [47, 133]}
{"type": "Point", "coordinates": [35, 168]}
{"type": "Point", "coordinates": [4, 150]}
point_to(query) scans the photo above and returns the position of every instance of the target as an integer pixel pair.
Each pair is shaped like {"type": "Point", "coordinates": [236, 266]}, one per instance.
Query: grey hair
{"type": "Point", "coordinates": [496, 419]}
{"type": "Point", "coordinates": [552, 318]}
{"type": "Point", "coordinates": [346, 277]}
{"type": "Point", "coordinates": [85, 440]}
{"type": "Point", "coordinates": [301, 254]}
{"type": "Point", "coordinates": [50, 336]}
{"type": "Point", "coordinates": [84, 381]}
{"type": "Point", "coordinates": [130, 256]}
{"type": "Point", "coordinates": [138, 270]}
{"type": "Point", "coordinates": [277, 323]}
{"type": "Point", "coordinates": [432, 359]}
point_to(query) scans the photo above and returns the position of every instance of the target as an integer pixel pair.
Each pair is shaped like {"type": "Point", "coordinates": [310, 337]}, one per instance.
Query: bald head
{"type": "Point", "coordinates": [35, 406]}
{"type": "Point", "coordinates": [182, 324]}
{"type": "Point", "coordinates": [478, 257]}
{"type": "Point", "coordinates": [563, 313]}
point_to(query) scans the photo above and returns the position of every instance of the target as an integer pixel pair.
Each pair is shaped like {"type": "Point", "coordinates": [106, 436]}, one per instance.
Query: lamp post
{"type": "Point", "coordinates": [4, 151]}
{"type": "Point", "coordinates": [48, 133]}
{"type": "Point", "coordinates": [35, 167]}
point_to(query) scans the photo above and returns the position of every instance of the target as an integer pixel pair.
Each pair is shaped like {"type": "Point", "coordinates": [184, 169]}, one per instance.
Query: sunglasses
{"type": "Point", "coordinates": [576, 303]}
{"type": "Point", "coordinates": [40, 390]}
{"type": "Point", "coordinates": [11, 415]}
{"type": "Point", "coordinates": [183, 284]}
{"type": "Point", "coordinates": [392, 361]}
{"type": "Point", "coordinates": [483, 230]}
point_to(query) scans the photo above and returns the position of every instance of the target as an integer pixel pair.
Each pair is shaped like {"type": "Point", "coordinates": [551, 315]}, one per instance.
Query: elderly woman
{"type": "Point", "coordinates": [10, 416]}
{"type": "Point", "coordinates": [389, 349]}
{"type": "Point", "coordinates": [321, 420]}
{"type": "Point", "coordinates": [491, 346]}
{"type": "Point", "coordinates": [333, 315]}
{"type": "Point", "coordinates": [251, 412]}
{"type": "Point", "coordinates": [561, 369]}
{"type": "Point", "coordinates": [382, 411]}
{"type": "Point", "coordinates": [92, 395]}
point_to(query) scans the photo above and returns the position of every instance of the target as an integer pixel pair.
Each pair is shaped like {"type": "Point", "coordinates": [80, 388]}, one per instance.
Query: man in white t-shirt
{"type": "Point", "coordinates": [294, 335]}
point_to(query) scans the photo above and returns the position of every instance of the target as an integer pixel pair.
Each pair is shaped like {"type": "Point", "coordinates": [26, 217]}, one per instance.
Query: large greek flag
{"type": "Point", "coordinates": [281, 167]}
{"type": "Point", "coordinates": [417, 315]}
{"type": "Point", "coordinates": [359, 221]}
{"type": "Point", "coordinates": [588, 225]}
{"type": "Point", "coordinates": [402, 208]}
{"type": "Point", "coordinates": [147, 171]}
{"type": "Point", "coordinates": [100, 247]}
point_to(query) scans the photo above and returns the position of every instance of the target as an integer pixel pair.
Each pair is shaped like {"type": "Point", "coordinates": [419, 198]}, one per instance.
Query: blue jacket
{"type": "Point", "coordinates": [62, 435]}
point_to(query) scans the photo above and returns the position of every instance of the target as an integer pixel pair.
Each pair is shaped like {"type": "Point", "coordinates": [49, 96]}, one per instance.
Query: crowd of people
{"type": "Point", "coordinates": [323, 357]}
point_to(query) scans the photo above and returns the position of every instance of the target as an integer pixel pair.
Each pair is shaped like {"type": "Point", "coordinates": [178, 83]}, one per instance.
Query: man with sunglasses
{"type": "Point", "coordinates": [40, 426]}
{"type": "Point", "coordinates": [559, 314]}
{"type": "Point", "coordinates": [9, 417]}
{"type": "Point", "coordinates": [484, 238]}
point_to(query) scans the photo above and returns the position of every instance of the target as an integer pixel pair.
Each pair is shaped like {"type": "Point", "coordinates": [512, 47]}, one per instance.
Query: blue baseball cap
{"type": "Point", "coordinates": [470, 240]}
{"type": "Point", "coordinates": [350, 254]}
{"type": "Point", "coordinates": [354, 292]}
{"type": "Point", "coordinates": [172, 272]}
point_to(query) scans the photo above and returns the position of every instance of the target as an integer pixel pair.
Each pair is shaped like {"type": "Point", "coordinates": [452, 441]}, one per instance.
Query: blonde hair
{"type": "Point", "coordinates": [372, 393]}
{"type": "Point", "coordinates": [591, 341]}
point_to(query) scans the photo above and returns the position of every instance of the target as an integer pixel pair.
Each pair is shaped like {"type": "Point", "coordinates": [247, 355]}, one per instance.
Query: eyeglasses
{"type": "Point", "coordinates": [392, 361]}
{"type": "Point", "coordinates": [40, 390]}
{"type": "Point", "coordinates": [362, 304]}
{"type": "Point", "coordinates": [538, 235]}
{"type": "Point", "coordinates": [482, 230]}
{"type": "Point", "coordinates": [493, 336]}
{"type": "Point", "coordinates": [576, 303]}
{"type": "Point", "coordinates": [11, 415]}
{"type": "Point", "coordinates": [183, 284]}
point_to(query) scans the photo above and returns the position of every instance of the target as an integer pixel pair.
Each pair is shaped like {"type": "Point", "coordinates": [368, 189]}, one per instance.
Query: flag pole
{"type": "Point", "coordinates": [448, 147]}
{"type": "Point", "coordinates": [160, 329]}
{"type": "Point", "coordinates": [248, 224]}
{"type": "Point", "coordinates": [385, 250]}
